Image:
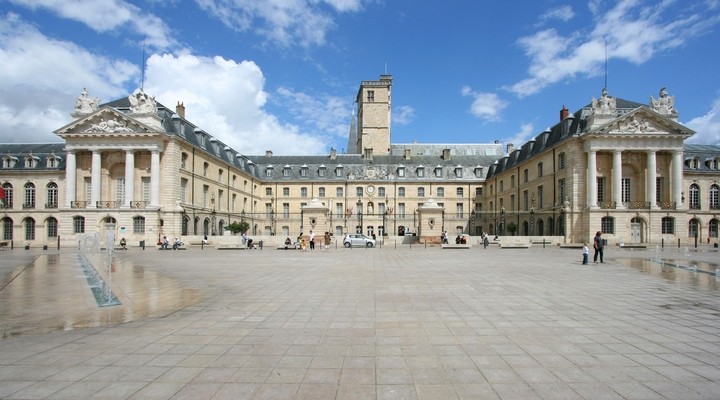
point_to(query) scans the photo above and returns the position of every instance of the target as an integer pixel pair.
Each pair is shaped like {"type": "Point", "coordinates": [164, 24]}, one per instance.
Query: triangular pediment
{"type": "Point", "coordinates": [643, 120]}
{"type": "Point", "coordinates": [106, 121]}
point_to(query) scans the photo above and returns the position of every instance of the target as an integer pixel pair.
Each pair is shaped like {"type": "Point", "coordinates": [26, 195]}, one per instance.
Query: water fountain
{"type": "Point", "coordinates": [90, 254]}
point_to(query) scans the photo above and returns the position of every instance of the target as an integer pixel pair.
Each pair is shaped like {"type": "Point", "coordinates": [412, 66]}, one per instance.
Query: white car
{"type": "Point", "coordinates": [356, 239]}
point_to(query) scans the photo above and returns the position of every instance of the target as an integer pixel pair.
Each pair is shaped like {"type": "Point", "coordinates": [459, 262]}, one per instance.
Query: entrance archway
{"type": "Point", "coordinates": [637, 228]}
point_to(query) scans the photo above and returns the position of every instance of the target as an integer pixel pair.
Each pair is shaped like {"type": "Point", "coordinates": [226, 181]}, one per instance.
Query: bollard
{"type": "Point", "coordinates": [678, 243]}
{"type": "Point", "coordinates": [662, 243]}
{"type": "Point", "coordinates": [142, 244]}
{"type": "Point", "coordinates": [696, 238]}
{"type": "Point", "coordinates": [58, 245]}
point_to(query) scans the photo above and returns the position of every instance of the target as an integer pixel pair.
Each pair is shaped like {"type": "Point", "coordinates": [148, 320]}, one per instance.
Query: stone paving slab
{"type": "Point", "coordinates": [391, 323]}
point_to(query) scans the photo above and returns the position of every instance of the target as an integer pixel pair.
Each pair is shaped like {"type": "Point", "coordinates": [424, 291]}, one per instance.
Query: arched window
{"type": "Point", "coordinates": [694, 200]}
{"type": "Point", "coordinates": [206, 227]}
{"type": "Point", "coordinates": [441, 192]}
{"type": "Point", "coordinates": [29, 229]}
{"type": "Point", "coordinates": [52, 195]}
{"type": "Point", "coordinates": [713, 228]}
{"type": "Point", "coordinates": [8, 201]}
{"type": "Point", "coordinates": [138, 224]}
{"type": "Point", "coordinates": [52, 227]}
{"type": "Point", "coordinates": [78, 224]}
{"type": "Point", "coordinates": [221, 227]}
{"type": "Point", "coordinates": [183, 160]}
{"type": "Point", "coordinates": [693, 228]}
{"type": "Point", "coordinates": [540, 227]}
{"type": "Point", "coordinates": [607, 225]}
{"type": "Point", "coordinates": [29, 195]}
{"type": "Point", "coordinates": [714, 197]}
{"type": "Point", "coordinates": [185, 224]}
{"type": "Point", "coordinates": [7, 228]}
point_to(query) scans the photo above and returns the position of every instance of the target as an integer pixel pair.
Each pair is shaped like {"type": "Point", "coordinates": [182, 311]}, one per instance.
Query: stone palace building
{"type": "Point", "coordinates": [141, 170]}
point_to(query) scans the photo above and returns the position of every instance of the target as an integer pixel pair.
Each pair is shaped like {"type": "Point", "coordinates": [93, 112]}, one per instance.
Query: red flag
{"type": "Point", "coordinates": [2, 192]}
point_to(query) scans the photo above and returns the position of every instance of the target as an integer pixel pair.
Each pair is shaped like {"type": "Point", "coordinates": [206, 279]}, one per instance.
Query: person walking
{"type": "Point", "coordinates": [327, 240]}
{"type": "Point", "coordinates": [598, 245]}
{"type": "Point", "coordinates": [586, 254]}
{"type": "Point", "coordinates": [311, 239]}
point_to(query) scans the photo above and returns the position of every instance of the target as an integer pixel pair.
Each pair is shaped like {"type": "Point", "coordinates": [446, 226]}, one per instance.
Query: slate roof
{"type": "Point", "coordinates": [41, 151]}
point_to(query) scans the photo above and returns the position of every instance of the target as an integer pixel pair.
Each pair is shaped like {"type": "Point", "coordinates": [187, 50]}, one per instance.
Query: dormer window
{"type": "Point", "coordinates": [53, 161]}
{"type": "Point", "coordinates": [339, 171]}
{"type": "Point", "coordinates": [479, 171]}
{"type": "Point", "coordinates": [286, 171]}
{"type": "Point", "coordinates": [269, 171]}
{"type": "Point", "coordinates": [31, 161]}
{"type": "Point", "coordinates": [420, 171]}
{"type": "Point", "coordinates": [459, 171]}
{"type": "Point", "coordinates": [321, 171]}
{"type": "Point", "coordinates": [304, 171]}
{"type": "Point", "coordinates": [9, 162]}
{"type": "Point", "coordinates": [401, 171]}
{"type": "Point", "coordinates": [438, 171]}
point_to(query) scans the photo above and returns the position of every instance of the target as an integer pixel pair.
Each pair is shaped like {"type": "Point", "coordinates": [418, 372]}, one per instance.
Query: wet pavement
{"type": "Point", "coordinates": [420, 323]}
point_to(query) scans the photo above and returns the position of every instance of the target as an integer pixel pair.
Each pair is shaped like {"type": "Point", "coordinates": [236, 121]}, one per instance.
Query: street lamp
{"type": "Point", "coordinates": [532, 220]}
{"type": "Point", "coordinates": [360, 215]}
{"type": "Point", "coordinates": [472, 222]}
{"type": "Point", "coordinates": [502, 220]}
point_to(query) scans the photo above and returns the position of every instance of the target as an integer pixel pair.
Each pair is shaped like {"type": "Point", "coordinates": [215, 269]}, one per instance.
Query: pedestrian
{"type": "Point", "coordinates": [311, 239]}
{"type": "Point", "coordinates": [486, 241]}
{"type": "Point", "coordinates": [598, 245]}
{"type": "Point", "coordinates": [586, 254]}
{"type": "Point", "coordinates": [327, 240]}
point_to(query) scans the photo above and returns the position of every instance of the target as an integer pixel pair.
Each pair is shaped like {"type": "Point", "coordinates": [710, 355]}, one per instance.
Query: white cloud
{"type": "Point", "coordinates": [325, 113]}
{"type": "Point", "coordinates": [706, 126]}
{"type": "Point", "coordinates": [108, 16]}
{"type": "Point", "coordinates": [527, 130]}
{"type": "Point", "coordinates": [562, 13]}
{"type": "Point", "coordinates": [403, 115]}
{"type": "Point", "coordinates": [41, 77]}
{"type": "Point", "coordinates": [486, 106]}
{"type": "Point", "coordinates": [282, 22]}
{"type": "Point", "coordinates": [634, 32]}
{"type": "Point", "coordinates": [226, 99]}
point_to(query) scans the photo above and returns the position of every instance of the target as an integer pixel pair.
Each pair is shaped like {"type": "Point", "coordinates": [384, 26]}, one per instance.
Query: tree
{"type": "Point", "coordinates": [238, 227]}
{"type": "Point", "coordinates": [512, 228]}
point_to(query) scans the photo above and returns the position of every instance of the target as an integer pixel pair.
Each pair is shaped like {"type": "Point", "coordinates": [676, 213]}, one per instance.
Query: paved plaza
{"type": "Point", "coordinates": [383, 323]}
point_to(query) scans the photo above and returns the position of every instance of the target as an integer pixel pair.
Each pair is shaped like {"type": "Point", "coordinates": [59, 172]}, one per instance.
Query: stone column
{"type": "Point", "coordinates": [651, 180]}
{"type": "Point", "coordinates": [617, 178]}
{"type": "Point", "coordinates": [155, 178]}
{"type": "Point", "coordinates": [129, 177]}
{"type": "Point", "coordinates": [592, 180]}
{"type": "Point", "coordinates": [677, 167]}
{"type": "Point", "coordinates": [70, 178]}
{"type": "Point", "coordinates": [95, 178]}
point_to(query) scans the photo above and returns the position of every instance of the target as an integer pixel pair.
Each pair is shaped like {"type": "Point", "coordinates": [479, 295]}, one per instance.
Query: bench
{"type": "Point", "coordinates": [513, 244]}
{"type": "Point", "coordinates": [456, 246]}
{"type": "Point", "coordinates": [170, 248]}
{"type": "Point", "coordinates": [4, 245]}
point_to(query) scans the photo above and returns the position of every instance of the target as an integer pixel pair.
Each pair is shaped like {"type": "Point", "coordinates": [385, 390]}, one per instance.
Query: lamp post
{"type": "Point", "coordinates": [472, 223]}
{"type": "Point", "coordinates": [502, 221]}
{"type": "Point", "coordinates": [272, 222]}
{"type": "Point", "coordinates": [360, 215]}
{"type": "Point", "coordinates": [532, 221]}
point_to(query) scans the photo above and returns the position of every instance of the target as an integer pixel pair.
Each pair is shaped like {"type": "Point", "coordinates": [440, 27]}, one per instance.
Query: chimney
{"type": "Point", "coordinates": [268, 153]}
{"type": "Point", "coordinates": [446, 154]}
{"type": "Point", "coordinates": [333, 153]}
{"type": "Point", "coordinates": [408, 154]}
{"type": "Point", "coordinates": [180, 109]}
{"type": "Point", "coordinates": [564, 113]}
{"type": "Point", "coordinates": [510, 148]}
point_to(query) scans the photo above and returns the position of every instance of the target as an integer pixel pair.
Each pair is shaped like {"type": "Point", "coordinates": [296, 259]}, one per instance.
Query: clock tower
{"type": "Point", "coordinates": [373, 117]}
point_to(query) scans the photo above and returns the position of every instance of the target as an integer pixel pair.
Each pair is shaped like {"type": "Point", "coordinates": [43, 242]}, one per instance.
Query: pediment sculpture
{"type": "Point", "coordinates": [109, 125]}
{"type": "Point", "coordinates": [605, 104]}
{"type": "Point", "coordinates": [635, 125]}
{"type": "Point", "coordinates": [664, 104]}
{"type": "Point", "coordinates": [141, 103]}
{"type": "Point", "coordinates": [86, 104]}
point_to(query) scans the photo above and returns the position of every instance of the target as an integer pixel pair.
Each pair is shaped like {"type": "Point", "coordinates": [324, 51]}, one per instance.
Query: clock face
{"type": "Point", "coordinates": [371, 189]}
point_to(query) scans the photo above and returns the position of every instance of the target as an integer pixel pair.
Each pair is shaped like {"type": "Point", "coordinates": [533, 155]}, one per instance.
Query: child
{"type": "Point", "coordinates": [586, 254]}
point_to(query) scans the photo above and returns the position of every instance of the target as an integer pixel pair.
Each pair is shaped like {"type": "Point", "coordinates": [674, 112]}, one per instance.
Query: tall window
{"type": "Point", "coordinates": [29, 229]}
{"type": "Point", "coordinates": [694, 196]}
{"type": "Point", "coordinates": [525, 175]}
{"type": "Point", "coordinates": [52, 227]}
{"type": "Point", "coordinates": [138, 224]}
{"type": "Point", "coordinates": [713, 228]}
{"type": "Point", "coordinates": [8, 195]}
{"type": "Point", "coordinates": [120, 188]}
{"type": "Point", "coordinates": [359, 191]}
{"type": "Point", "coordinates": [401, 192]}
{"type": "Point", "coordinates": [183, 161]}
{"type": "Point", "coordinates": [381, 191]}
{"type": "Point", "coordinates": [421, 192]}
{"type": "Point", "coordinates": [205, 169]}
{"type": "Point", "coordinates": [183, 190]}
{"type": "Point", "coordinates": [438, 172]}
{"type": "Point", "coordinates": [561, 161]}
{"type": "Point", "coordinates": [526, 200]}
{"type": "Point", "coordinates": [303, 192]}
{"type": "Point", "coordinates": [339, 212]}
{"type": "Point", "coordinates": [459, 192]}
{"type": "Point", "coordinates": [78, 224]}
{"type": "Point", "coordinates": [339, 192]}
{"type": "Point", "coordinates": [512, 181]}
{"type": "Point", "coordinates": [540, 170]}
{"type": "Point", "coordinates": [541, 194]}
{"type": "Point", "coordinates": [441, 192]}
{"type": "Point", "coordinates": [52, 195]}
{"type": "Point", "coordinates": [459, 210]}
{"type": "Point", "coordinates": [561, 190]}
{"type": "Point", "coordinates": [321, 192]}
{"type": "Point", "coordinates": [601, 189]}
{"type": "Point", "coordinates": [286, 192]}
{"type": "Point", "coordinates": [693, 227]}
{"type": "Point", "coordinates": [370, 96]}
{"type": "Point", "coordinates": [7, 232]}
{"type": "Point", "coordinates": [659, 190]}
{"type": "Point", "coordinates": [88, 189]}
{"type": "Point", "coordinates": [401, 210]}
{"type": "Point", "coordinates": [286, 210]}
{"type": "Point", "coordinates": [206, 192]}
{"type": "Point", "coordinates": [145, 182]}
{"type": "Point", "coordinates": [607, 225]}
{"type": "Point", "coordinates": [29, 195]}
{"type": "Point", "coordinates": [668, 225]}
{"type": "Point", "coordinates": [714, 199]}
{"type": "Point", "coordinates": [626, 190]}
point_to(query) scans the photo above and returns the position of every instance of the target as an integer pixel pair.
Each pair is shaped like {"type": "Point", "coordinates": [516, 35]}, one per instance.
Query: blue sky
{"type": "Point", "coordinates": [282, 75]}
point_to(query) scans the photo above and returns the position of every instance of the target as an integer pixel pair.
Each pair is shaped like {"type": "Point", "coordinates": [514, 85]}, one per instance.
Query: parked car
{"type": "Point", "coordinates": [356, 239]}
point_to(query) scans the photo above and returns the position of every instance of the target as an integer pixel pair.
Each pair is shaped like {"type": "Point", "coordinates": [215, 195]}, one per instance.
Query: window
{"type": "Point", "coordinates": [401, 210]}
{"type": "Point", "coordinates": [183, 190]}
{"type": "Point", "coordinates": [693, 228]}
{"type": "Point", "coordinates": [286, 210]}
{"type": "Point", "coordinates": [30, 163]}
{"type": "Point", "coordinates": [695, 164]}
{"type": "Point", "coordinates": [501, 186]}
{"type": "Point", "coordinates": [420, 171]}
{"type": "Point", "coordinates": [8, 195]}
{"type": "Point", "coordinates": [512, 181]}
{"type": "Point", "coordinates": [268, 191]}
{"type": "Point", "coordinates": [601, 189]}
{"type": "Point", "coordinates": [713, 228]}
{"type": "Point", "coordinates": [7, 228]}
{"type": "Point", "coordinates": [561, 190]}
{"type": "Point", "coordinates": [321, 171]}
{"type": "Point", "coordinates": [268, 172]}
{"type": "Point", "coordinates": [459, 211]}
{"type": "Point", "coordinates": [478, 192]}
{"type": "Point", "coordinates": [321, 192]}
{"type": "Point", "coordinates": [29, 229]}
{"type": "Point", "coordinates": [441, 192]}
{"type": "Point", "coordinates": [561, 161]}
{"type": "Point", "coordinates": [145, 182]}
{"type": "Point", "coordinates": [438, 172]}
{"type": "Point", "coordinates": [339, 192]}
{"type": "Point", "coordinates": [421, 192]}
{"type": "Point", "coordinates": [52, 162]}
{"type": "Point", "coordinates": [668, 225]}
{"type": "Point", "coordinates": [714, 199]}
{"type": "Point", "coordinates": [626, 194]}
{"type": "Point", "coordinates": [339, 212]}
{"type": "Point", "coordinates": [29, 195]}
{"type": "Point", "coordinates": [478, 172]}
{"type": "Point", "coordinates": [52, 227]}
{"type": "Point", "coordinates": [120, 189]}
{"type": "Point", "coordinates": [540, 170]}
{"type": "Point", "coordinates": [694, 196]}
{"type": "Point", "coordinates": [540, 196]}
{"type": "Point", "coordinates": [286, 192]}
{"type": "Point", "coordinates": [303, 192]}
{"type": "Point", "coordinates": [205, 169]}
{"type": "Point", "coordinates": [52, 195]}
{"type": "Point", "coordinates": [526, 200]}
{"type": "Point", "coordinates": [183, 160]}
{"type": "Point", "coordinates": [607, 225]}
{"type": "Point", "coordinates": [304, 171]}
{"type": "Point", "coordinates": [206, 190]}
{"type": "Point", "coordinates": [138, 224]}
{"type": "Point", "coordinates": [381, 191]}
{"type": "Point", "coordinates": [525, 175]}
{"type": "Point", "coordinates": [339, 171]}
{"type": "Point", "coordinates": [458, 172]}
{"type": "Point", "coordinates": [268, 210]}
{"type": "Point", "coordinates": [401, 171]}
{"type": "Point", "coordinates": [220, 197]}
{"type": "Point", "coordinates": [370, 95]}
{"type": "Point", "coordinates": [359, 191]}
{"type": "Point", "coordinates": [459, 192]}
{"type": "Point", "coordinates": [401, 192]}
{"type": "Point", "coordinates": [286, 171]}
{"type": "Point", "coordinates": [220, 175]}
{"type": "Point", "coordinates": [512, 202]}
{"type": "Point", "coordinates": [78, 224]}
{"type": "Point", "coordinates": [659, 190]}
{"type": "Point", "coordinates": [381, 208]}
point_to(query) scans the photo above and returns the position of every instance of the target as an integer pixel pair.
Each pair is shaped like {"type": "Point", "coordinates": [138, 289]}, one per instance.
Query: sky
{"type": "Point", "coordinates": [282, 75]}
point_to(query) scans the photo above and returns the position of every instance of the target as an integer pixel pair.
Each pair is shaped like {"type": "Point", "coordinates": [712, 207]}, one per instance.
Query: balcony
{"type": "Point", "coordinates": [108, 204]}
{"type": "Point", "coordinates": [668, 205]}
{"type": "Point", "coordinates": [139, 204]}
{"type": "Point", "coordinates": [28, 205]}
{"type": "Point", "coordinates": [51, 205]}
{"type": "Point", "coordinates": [78, 204]}
{"type": "Point", "coordinates": [607, 205]}
{"type": "Point", "coordinates": [638, 205]}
